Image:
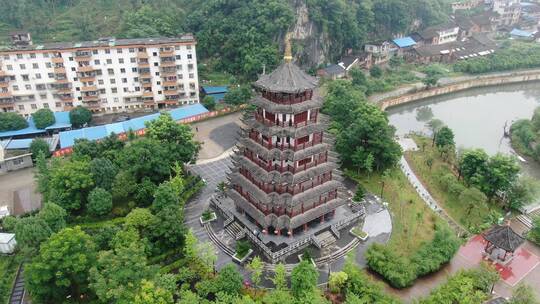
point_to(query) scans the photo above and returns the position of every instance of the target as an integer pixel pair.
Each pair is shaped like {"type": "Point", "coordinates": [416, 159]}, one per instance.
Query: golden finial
{"type": "Point", "coordinates": [288, 48]}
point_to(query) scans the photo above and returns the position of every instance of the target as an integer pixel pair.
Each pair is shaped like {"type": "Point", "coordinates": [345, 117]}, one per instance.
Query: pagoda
{"type": "Point", "coordinates": [285, 178]}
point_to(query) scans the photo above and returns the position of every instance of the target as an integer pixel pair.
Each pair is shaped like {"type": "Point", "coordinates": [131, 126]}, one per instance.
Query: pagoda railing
{"type": "Point", "coordinates": [285, 146]}
{"type": "Point", "coordinates": [287, 99]}
{"type": "Point", "coordinates": [278, 123]}
{"type": "Point", "coordinates": [269, 188]}
{"type": "Point", "coordinates": [286, 168]}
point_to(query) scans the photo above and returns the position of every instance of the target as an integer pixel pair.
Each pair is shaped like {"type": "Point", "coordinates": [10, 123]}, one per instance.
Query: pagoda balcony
{"type": "Point", "coordinates": [271, 123]}
{"type": "Point", "coordinates": [269, 167]}
{"type": "Point", "coordinates": [279, 189]}
{"type": "Point", "coordinates": [287, 99]}
{"type": "Point", "coordinates": [279, 211]}
{"type": "Point", "coordinates": [285, 146]}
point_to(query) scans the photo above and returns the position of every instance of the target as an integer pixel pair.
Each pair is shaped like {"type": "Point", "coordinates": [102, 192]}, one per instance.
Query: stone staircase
{"type": "Point", "coordinates": [326, 239]}
{"type": "Point", "coordinates": [527, 219]}
{"type": "Point", "coordinates": [235, 230]}
{"type": "Point", "coordinates": [17, 291]}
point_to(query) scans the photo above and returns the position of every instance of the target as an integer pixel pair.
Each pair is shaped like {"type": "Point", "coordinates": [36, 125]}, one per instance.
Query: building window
{"type": "Point", "coordinates": [112, 81]}
{"type": "Point", "coordinates": [109, 61]}
{"type": "Point", "coordinates": [95, 52]}
{"type": "Point", "coordinates": [15, 88]}
{"type": "Point", "coordinates": [121, 60]}
{"type": "Point", "coordinates": [131, 50]}
{"type": "Point", "coordinates": [48, 65]}
{"type": "Point", "coordinates": [188, 47]}
{"type": "Point", "coordinates": [107, 51]}
{"type": "Point", "coordinates": [110, 71]}
{"type": "Point", "coordinates": [116, 99]}
{"type": "Point", "coordinates": [46, 105]}
{"type": "Point", "coordinates": [32, 55]}
{"type": "Point", "coordinates": [73, 69]}
{"type": "Point", "coordinates": [122, 70]}
{"type": "Point", "coordinates": [19, 56]}
{"type": "Point", "coordinates": [191, 75]}
{"type": "Point", "coordinates": [190, 66]}
{"type": "Point", "coordinates": [178, 57]}
{"type": "Point", "coordinates": [21, 107]}
{"type": "Point", "coordinates": [33, 106]}
{"type": "Point", "coordinates": [45, 55]}
{"type": "Point", "coordinates": [77, 89]}
{"type": "Point", "coordinates": [28, 87]}
{"type": "Point", "coordinates": [35, 66]}
{"type": "Point", "coordinates": [70, 58]}
{"type": "Point", "coordinates": [6, 57]}
{"type": "Point", "coordinates": [42, 96]}
{"type": "Point", "coordinates": [38, 76]}
{"type": "Point", "coordinates": [125, 90]}
{"type": "Point", "coordinates": [96, 62]}
{"type": "Point", "coordinates": [154, 54]}
{"type": "Point", "coordinates": [114, 90]}
{"type": "Point", "coordinates": [133, 60]}
{"type": "Point", "coordinates": [119, 51]}
{"type": "Point", "coordinates": [155, 64]}
{"type": "Point", "coordinates": [58, 104]}
{"type": "Point", "coordinates": [189, 56]}
{"type": "Point", "coordinates": [102, 91]}
{"type": "Point", "coordinates": [41, 87]}
{"type": "Point", "coordinates": [124, 80]}
{"type": "Point", "coordinates": [100, 81]}
{"type": "Point", "coordinates": [25, 77]}
{"type": "Point", "coordinates": [179, 67]}
{"type": "Point", "coordinates": [9, 67]}
{"type": "Point", "coordinates": [99, 72]}
{"type": "Point", "coordinates": [180, 76]}
{"type": "Point", "coordinates": [50, 75]}
{"type": "Point", "coordinates": [22, 66]}
{"type": "Point", "coordinates": [157, 73]}
{"type": "Point", "coordinates": [134, 70]}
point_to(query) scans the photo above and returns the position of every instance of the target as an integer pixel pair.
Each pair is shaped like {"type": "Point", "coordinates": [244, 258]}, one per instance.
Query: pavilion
{"type": "Point", "coordinates": [502, 242]}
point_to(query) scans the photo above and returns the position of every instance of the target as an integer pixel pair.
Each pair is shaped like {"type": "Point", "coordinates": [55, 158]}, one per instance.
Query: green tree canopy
{"type": "Point", "coordinates": [445, 138]}
{"type": "Point", "coordinates": [43, 118]}
{"type": "Point", "coordinates": [238, 95]}
{"type": "Point", "coordinates": [103, 171]}
{"type": "Point", "coordinates": [10, 121]}
{"type": "Point", "coordinates": [99, 202]}
{"type": "Point", "coordinates": [61, 268]}
{"type": "Point", "coordinates": [38, 146]}
{"type": "Point", "coordinates": [54, 216]}
{"type": "Point", "coordinates": [79, 116]}
{"type": "Point", "coordinates": [31, 232]}
{"type": "Point", "coordinates": [70, 181]}
{"type": "Point", "coordinates": [304, 279]}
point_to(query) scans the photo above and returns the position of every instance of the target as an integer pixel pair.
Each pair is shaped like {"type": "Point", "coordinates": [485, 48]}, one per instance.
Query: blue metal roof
{"type": "Point", "coordinates": [218, 97]}
{"type": "Point", "coordinates": [62, 122]}
{"type": "Point", "coordinates": [404, 42]}
{"type": "Point", "coordinates": [67, 138]}
{"type": "Point", "coordinates": [17, 144]}
{"type": "Point", "coordinates": [214, 90]}
{"type": "Point", "coordinates": [521, 33]}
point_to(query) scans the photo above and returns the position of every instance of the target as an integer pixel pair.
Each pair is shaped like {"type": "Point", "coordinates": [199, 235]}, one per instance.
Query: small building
{"type": "Point", "coordinates": [439, 34]}
{"type": "Point", "coordinates": [216, 92]}
{"type": "Point", "coordinates": [465, 4]}
{"type": "Point", "coordinates": [4, 211]}
{"type": "Point", "coordinates": [7, 243]}
{"type": "Point", "coordinates": [469, 25]}
{"type": "Point", "coordinates": [502, 242]}
{"type": "Point", "coordinates": [522, 35]}
{"type": "Point", "coordinates": [380, 52]}
{"type": "Point", "coordinates": [508, 12]}
{"type": "Point", "coordinates": [333, 71]}
{"type": "Point", "coordinates": [403, 45]}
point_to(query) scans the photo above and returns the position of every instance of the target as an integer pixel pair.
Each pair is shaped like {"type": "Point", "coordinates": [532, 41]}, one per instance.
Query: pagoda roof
{"type": "Point", "coordinates": [287, 78]}
{"type": "Point", "coordinates": [504, 237]}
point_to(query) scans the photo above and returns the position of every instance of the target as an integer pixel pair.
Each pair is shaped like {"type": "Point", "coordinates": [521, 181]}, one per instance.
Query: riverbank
{"type": "Point", "coordinates": [414, 92]}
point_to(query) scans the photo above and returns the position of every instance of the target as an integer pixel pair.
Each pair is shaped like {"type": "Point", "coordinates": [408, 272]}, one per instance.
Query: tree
{"type": "Point", "coordinates": [99, 202]}
{"type": "Point", "coordinates": [79, 116]}
{"type": "Point", "coordinates": [435, 125]}
{"type": "Point", "coordinates": [140, 219]}
{"type": "Point", "coordinates": [104, 172]}
{"type": "Point", "coordinates": [85, 149]}
{"type": "Point", "coordinates": [431, 81]}
{"type": "Point", "coordinates": [256, 268]}
{"type": "Point", "coordinates": [359, 79]}
{"type": "Point", "coordinates": [277, 296]}
{"type": "Point", "coordinates": [502, 172]}
{"type": "Point", "coordinates": [341, 98]}
{"type": "Point", "coordinates": [42, 176]}
{"type": "Point", "coordinates": [164, 196]}
{"type": "Point", "coordinates": [152, 294]}
{"type": "Point", "coordinates": [303, 279]}
{"type": "Point", "coordinates": [472, 165]}
{"type": "Point", "coordinates": [169, 228]}
{"type": "Point", "coordinates": [522, 192]}
{"type": "Point", "coordinates": [369, 134]}
{"type": "Point", "coordinates": [473, 197]}
{"type": "Point", "coordinates": [280, 277]}
{"type": "Point", "coordinates": [38, 146]}
{"type": "Point", "coordinates": [445, 138]}
{"type": "Point", "coordinates": [61, 268]}
{"type": "Point", "coordinates": [523, 294]}
{"type": "Point", "coordinates": [209, 103]}
{"type": "Point", "coordinates": [69, 184]}
{"type": "Point", "coordinates": [149, 21]}
{"type": "Point", "coordinates": [43, 118]}
{"type": "Point", "coordinates": [31, 232]}
{"type": "Point", "coordinates": [149, 158]}
{"type": "Point", "coordinates": [10, 121]}
{"type": "Point", "coordinates": [54, 216]}
{"type": "Point", "coordinates": [376, 72]}
{"type": "Point", "coordinates": [118, 273]}
{"type": "Point", "coordinates": [124, 186]}
{"type": "Point", "coordinates": [229, 280]}
{"type": "Point", "coordinates": [534, 233]}
{"type": "Point", "coordinates": [144, 194]}
{"type": "Point", "coordinates": [337, 281]}
{"type": "Point", "coordinates": [238, 95]}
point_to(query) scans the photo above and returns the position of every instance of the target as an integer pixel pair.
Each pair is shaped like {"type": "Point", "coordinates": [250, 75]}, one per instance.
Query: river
{"type": "Point", "coordinates": [477, 116]}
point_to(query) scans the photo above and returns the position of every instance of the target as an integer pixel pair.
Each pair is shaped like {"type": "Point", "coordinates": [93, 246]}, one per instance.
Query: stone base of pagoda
{"type": "Point", "coordinates": [278, 245]}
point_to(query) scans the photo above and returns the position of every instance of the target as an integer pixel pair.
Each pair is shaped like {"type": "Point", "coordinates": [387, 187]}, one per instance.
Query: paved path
{"type": "Point", "coordinates": [217, 134]}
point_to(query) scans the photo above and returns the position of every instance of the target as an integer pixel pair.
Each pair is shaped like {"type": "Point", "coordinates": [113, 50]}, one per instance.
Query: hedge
{"type": "Point", "coordinates": [401, 271]}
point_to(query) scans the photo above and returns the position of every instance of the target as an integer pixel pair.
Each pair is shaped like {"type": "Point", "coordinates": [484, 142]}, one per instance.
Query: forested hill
{"type": "Point", "coordinates": [240, 34]}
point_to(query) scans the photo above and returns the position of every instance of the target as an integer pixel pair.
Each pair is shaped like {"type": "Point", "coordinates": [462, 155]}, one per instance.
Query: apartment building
{"type": "Point", "coordinates": [508, 11]}
{"type": "Point", "coordinates": [106, 75]}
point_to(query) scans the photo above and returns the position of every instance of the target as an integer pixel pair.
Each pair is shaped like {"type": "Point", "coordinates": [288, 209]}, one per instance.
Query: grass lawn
{"type": "Point", "coordinates": [412, 220]}
{"type": "Point", "coordinates": [451, 203]}
{"type": "Point", "coordinates": [217, 79]}
{"type": "Point", "coordinates": [8, 270]}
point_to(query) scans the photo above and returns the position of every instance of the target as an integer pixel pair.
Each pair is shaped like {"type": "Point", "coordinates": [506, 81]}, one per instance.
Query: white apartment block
{"type": "Point", "coordinates": [508, 11]}
{"type": "Point", "coordinates": [106, 75]}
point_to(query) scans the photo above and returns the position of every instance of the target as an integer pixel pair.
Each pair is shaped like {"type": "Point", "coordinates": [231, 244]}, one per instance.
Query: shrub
{"type": "Point", "coordinates": [10, 121]}
{"type": "Point", "coordinates": [80, 116]}
{"type": "Point", "coordinates": [38, 146]}
{"type": "Point", "coordinates": [337, 281]}
{"type": "Point", "coordinates": [398, 271]}
{"type": "Point", "coordinates": [431, 256]}
{"type": "Point", "coordinates": [43, 118]}
{"type": "Point", "coordinates": [99, 202]}
{"type": "Point", "coordinates": [242, 248]}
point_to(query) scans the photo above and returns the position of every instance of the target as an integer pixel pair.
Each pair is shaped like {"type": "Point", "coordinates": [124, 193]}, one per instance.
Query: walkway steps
{"type": "Point", "coordinates": [229, 251]}
{"type": "Point", "coordinates": [235, 230]}
{"type": "Point", "coordinates": [17, 291]}
{"type": "Point", "coordinates": [326, 239]}
{"type": "Point", "coordinates": [527, 219]}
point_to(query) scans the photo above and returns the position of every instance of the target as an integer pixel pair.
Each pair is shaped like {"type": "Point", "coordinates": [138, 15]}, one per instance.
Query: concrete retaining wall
{"type": "Point", "coordinates": [480, 81]}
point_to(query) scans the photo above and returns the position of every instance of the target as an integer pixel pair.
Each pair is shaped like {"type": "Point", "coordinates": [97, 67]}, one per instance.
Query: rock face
{"type": "Point", "coordinates": [311, 43]}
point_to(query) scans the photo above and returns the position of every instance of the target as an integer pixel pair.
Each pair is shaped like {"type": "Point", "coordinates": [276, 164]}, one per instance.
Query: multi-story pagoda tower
{"type": "Point", "coordinates": [285, 177]}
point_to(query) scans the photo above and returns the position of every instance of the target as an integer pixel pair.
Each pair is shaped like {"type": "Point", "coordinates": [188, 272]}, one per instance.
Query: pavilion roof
{"type": "Point", "coordinates": [504, 237]}
{"type": "Point", "coordinates": [287, 78]}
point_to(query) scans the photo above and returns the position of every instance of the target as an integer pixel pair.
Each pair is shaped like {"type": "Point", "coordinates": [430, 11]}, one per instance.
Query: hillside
{"type": "Point", "coordinates": [240, 35]}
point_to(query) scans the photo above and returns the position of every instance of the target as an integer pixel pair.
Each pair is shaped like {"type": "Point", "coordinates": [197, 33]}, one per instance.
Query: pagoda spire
{"type": "Point", "coordinates": [288, 48]}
